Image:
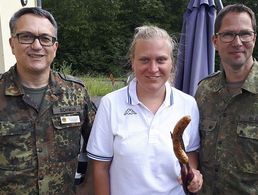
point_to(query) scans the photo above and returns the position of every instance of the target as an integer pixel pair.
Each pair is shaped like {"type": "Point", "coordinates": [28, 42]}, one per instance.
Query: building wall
{"type": "Point", "coordinates": [7, 9]}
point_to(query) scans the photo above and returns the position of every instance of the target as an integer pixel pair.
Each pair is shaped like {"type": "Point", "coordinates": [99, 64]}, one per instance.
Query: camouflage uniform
{"type": "Point", "coordinates": [39, 146]}
{"type": "Point", "coordinates": [229, 134]}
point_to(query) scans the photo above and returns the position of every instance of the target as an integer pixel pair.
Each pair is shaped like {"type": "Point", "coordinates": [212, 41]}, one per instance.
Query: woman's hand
{"type": "Point", "coordinates": [196, 183]}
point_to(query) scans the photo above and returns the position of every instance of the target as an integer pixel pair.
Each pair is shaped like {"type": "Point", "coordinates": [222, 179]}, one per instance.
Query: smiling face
{"type": "Point", "coordinates": [33, 58]}
{"type": "Point", "coordinates": [235, 55]}
{"type": "Point", "coordinates": [152, 64]}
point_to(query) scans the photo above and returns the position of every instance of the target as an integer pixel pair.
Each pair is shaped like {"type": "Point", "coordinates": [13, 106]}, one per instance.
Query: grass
{"type": "Point", "coordinates": [97, 86]}
{"type": "Point", "coordinates": [100, 86]}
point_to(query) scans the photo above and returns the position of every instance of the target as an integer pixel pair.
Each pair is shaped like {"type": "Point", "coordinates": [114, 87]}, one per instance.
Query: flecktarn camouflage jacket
{"type": "Point", "coordinates": [229, 135]}
{"type": "Point", "coordinates": [39, 146]}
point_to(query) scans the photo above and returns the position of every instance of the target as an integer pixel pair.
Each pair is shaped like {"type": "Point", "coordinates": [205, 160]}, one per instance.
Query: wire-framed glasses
{"type": "Point", "coordinates": [29, 38]}
{"type": "Point", "coordinates": [245, 36]}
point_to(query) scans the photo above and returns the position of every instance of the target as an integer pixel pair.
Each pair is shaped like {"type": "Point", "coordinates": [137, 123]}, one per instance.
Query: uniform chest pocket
{"type": "Point", "coordinates": [248, 130]}
{"type": "Point", "coordinates": [247, 144]}
{"type": "Point", "coordinates": [207, 129]}
{"type": "Point", "coordinates": [67, 132]}
{"type": "Point", "coordinates": [16, 145]}
{"type": "Point", "coordinates": [208, 135]}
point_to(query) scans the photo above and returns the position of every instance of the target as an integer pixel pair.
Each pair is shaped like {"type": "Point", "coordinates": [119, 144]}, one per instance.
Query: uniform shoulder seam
{"type": "Point", "coordinates": [210, 76]}
{"type": "Point", "coordinates": [71, 79]}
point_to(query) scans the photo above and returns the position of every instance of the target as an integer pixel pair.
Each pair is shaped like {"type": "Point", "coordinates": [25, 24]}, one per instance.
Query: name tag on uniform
{"type": "Point", "coordinates": [70, 119]}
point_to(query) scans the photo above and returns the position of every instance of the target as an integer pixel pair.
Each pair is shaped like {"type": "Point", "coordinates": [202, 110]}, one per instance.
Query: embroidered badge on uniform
{"type": "Point", "coordinates": [70, 119]}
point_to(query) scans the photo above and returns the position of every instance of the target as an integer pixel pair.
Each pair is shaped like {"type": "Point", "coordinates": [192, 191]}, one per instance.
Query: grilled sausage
{"type": "Point", "coordinates": [176, 137]}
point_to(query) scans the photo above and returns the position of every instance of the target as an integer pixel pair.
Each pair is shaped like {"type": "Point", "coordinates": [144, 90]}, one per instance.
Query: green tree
{"type": "Point", "coordinates": [94, 36]}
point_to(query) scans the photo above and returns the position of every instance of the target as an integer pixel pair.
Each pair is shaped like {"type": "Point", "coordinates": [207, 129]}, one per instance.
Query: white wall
{"type": "Point", "coordinates": [7, 9]}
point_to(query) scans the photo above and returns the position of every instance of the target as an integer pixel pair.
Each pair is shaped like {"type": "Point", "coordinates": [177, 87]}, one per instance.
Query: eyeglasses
{"type": "Point", "coordinates": [245, 36]}
{"type": "Point", "coordinates": [29, 38]}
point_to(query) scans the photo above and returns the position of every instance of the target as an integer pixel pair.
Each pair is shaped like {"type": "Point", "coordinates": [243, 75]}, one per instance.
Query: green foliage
{"type": "Point", "coordinates": [94, 35]}
{"type": "Point", "coordinates": [100, 86]}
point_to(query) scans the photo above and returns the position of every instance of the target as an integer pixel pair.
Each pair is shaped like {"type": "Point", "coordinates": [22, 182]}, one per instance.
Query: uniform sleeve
{"type": "Point", "coordinates": [193, 130]}
{"type": "Point", "coordinates": [89, 113]}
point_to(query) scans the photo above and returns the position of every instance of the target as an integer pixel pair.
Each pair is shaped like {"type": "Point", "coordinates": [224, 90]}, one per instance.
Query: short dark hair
{"type": "Point", "coordinates": [31, 10]}
{"type": "Point", "coordinates": [238, 8]}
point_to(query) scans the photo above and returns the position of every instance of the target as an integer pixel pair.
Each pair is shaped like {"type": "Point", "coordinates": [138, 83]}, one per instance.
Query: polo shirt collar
{"type": "Point", "coordinates": [132, 97]}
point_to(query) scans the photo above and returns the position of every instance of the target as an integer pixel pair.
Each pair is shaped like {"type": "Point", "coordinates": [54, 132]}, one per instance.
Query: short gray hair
{"type": "Point", "coordinates": [31, 10]}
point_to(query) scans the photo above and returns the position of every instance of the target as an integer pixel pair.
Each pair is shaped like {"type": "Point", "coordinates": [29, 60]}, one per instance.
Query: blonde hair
{"type": "Point", "coordinates": [149, 32]}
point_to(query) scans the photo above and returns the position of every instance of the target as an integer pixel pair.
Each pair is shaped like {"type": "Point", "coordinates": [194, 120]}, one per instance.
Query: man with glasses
{"type": "Point", "coordinates": [228, 103]}
{"type": "Point", "coordinates": [44, 115]}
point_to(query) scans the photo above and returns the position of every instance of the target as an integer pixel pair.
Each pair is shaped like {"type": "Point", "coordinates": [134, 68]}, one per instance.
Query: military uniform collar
{"type": "Point", "coordinates": [55, 83]}
{"type": "Point", "coordinates": [219, 78]}
{"type": "Point", "coordinates": [13, 85]}
{"type": "Point", "coordinates": [250, 84]}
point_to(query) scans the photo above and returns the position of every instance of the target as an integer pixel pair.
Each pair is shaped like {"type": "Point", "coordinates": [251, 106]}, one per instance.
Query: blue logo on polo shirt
{"type": "Point", "coordinates": [129, 111]}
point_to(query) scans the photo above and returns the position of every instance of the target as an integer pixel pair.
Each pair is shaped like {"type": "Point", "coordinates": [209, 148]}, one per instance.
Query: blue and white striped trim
{"type": "Point", "coordinates": [171, 98]}
{"type": "Point", "coordinates": [129, 99]}
{"type": "Point", "coordinates": [100, 158]}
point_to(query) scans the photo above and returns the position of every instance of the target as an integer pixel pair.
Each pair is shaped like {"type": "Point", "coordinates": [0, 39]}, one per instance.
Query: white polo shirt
{"type": "Point", "coordinates": [138, 142]}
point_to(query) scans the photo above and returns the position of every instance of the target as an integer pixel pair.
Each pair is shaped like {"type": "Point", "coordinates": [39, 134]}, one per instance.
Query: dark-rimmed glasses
{"type": "Point", "coordinates": [245, 36]}
{"type": "Point", "coordinates": [29, 38]}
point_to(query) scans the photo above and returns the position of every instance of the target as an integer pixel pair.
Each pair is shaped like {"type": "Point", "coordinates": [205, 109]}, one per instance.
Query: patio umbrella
{"type": "Point", "coordinates": [196, 54]}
